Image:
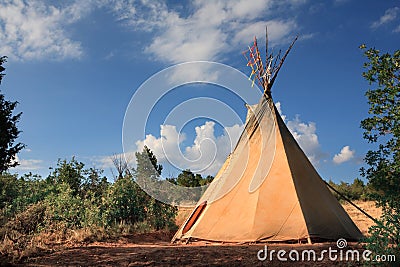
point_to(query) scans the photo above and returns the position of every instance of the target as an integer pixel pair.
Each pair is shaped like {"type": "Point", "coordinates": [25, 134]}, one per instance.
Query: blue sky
{"type": "Point", "coordinates": [75, 65]}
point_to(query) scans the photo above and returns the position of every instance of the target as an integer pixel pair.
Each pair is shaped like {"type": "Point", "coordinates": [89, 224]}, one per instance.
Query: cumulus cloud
{"type": "Point", "coordinates": [345, 154]}
{"type": "Point", "coordinates": [208, 151]}
{"type": "Point", "coordinates": [305, 135]}
{"type": "Point", "coordinates": [206, 154]}
{"type": "Point", "coordinates": [34, 30]}
{"type": "Point", "coordinates": [390, 15]}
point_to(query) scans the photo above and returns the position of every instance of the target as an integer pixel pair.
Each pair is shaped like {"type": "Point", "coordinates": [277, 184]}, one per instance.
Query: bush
{"type": "Point", "coordinates": [384, 238]}
{"type": "Point", "coordinates": [63, 209]}
{"type": "Point", "coordinates": [354, 191]}
{"type": "Point", "coordinates": [17, 234]}
{"type": "Point", "coordinates": [75, 205]}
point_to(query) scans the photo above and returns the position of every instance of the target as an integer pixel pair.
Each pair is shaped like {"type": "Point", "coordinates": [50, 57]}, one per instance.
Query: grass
{"type": "Point", "coordinates": [362, 221]}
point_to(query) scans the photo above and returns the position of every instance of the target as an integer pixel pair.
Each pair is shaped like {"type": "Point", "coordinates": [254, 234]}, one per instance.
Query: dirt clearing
{"type": "Point", "coordinates": [155, 250]}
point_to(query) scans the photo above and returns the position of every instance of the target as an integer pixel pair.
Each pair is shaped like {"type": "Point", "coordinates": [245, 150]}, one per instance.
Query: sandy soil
{"type": "Point", "coordinates": [155, 250]}
{"type": "Point", "coordinates": [362, 221]}
{"type": "Point", "coordinates": [161, 253]}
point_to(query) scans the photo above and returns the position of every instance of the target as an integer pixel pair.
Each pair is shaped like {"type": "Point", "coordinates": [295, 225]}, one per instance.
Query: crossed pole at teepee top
{"type": "Point", "coordinates": [265, 75]}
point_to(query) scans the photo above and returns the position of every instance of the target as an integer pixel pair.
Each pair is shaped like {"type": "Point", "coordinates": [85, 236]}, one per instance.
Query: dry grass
{"type": "Point", "coordinates": [48, 241]}
{"type": "Point", "coordinates": [362, 221]}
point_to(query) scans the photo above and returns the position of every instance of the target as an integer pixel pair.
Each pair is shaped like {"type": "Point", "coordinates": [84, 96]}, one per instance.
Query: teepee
{"type": "Point", "coordinates": [267, 189]}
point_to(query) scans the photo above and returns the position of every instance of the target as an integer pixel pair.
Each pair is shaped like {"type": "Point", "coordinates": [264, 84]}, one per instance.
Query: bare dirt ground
{"type": "Point", "coordinates": [155, 250]}
{"type": "Point", "coordinates": [161, 253]}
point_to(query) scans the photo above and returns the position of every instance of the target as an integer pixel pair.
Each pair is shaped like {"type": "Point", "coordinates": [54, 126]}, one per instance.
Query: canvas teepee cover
{"type": "Point", "coordinates": [267, 190]}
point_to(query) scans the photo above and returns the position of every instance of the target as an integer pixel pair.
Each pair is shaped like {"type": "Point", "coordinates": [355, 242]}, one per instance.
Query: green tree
{"type": "Point", "coordinates": [382, 128]}
{"type": "Point", "coordinates": [126, 202]}
{"type": "Point", "coordinates": [94, 183]}
{"type": "Point", "coordinates": [8, 129]}
{"type": "Point", "coordinates": [147, 168]}
{"type": "Point", "coordinates": [69, 172]}
{"type": "Point", "coordinates": [64, 209]}
{"type": "Point", "coordinates": [8, 192]}
{"type": "Point", "coordinates": [147, 173]}
{"type": "Point", "coordinates": [207, 180]}
{"type": "Point", "coordinates": [357, 189]}
{"type": "Point", "coordinates": [188, 179]}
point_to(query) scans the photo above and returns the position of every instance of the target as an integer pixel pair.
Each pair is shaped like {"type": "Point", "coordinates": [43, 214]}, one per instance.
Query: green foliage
{"type": "Point", "coordinates": [8, 191]}
{"type": "Point", "coordinates": [382, 128]}
{"type": "Point", "coordinates": [69, 172]}
{"type": "Point", "coordinates": [207, 180]}
{"type": "Point", "coordinates": [16, 194]}
{"type": "Point", "coordinates": [188, 179]}
{"type": "Point", "coordinates": [93, 184]}
{"type": "Point", "coordinates": [63, 208]}
{"type": "Point", "coordinates": [8, 129]}
{"type": "Point", "coordinates": [147, 173]}
{"type": "Point", "coordinates": [74, 199]}
{"type": "Point", "coordinates": [384, 237]}
{"type": "Point", "coordinates": [354, 191]}
{"type": "Point", "coordinates": [126, 202]}
{"type": "Point", "coordinates": [161, 215]}
{"type": "Point", "coordinates": [147, 170]}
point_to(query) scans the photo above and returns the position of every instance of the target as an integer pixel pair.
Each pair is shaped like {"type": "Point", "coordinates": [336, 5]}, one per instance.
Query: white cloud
{"type": "Point", "coordinates": [106, 162]}
{"type": "Point", "coordinates": [185, 73]}
{"type": "Point", "coordinates": [390, 15]}
{"type": "Point", "coordinates": [205, 30]}
{"type": "Point", "coordinates": [207, 153]}
{"type": "Point", "coordinates": [210, 29]}
{"type": "Point", "coordinates": [305, 135]}
{"type": "Point", "coordinates": [278, 107]}
{"type": "Point", "coordinates": [28, 164]}
{"type": "Point", "coordinates": [345, 154]}
{"type": "Point", "coordinates": [278, 31]}
{"type": "Point", "coordinates": [33, 30]}
{"type": "Point", "coordinates": [397, 29]}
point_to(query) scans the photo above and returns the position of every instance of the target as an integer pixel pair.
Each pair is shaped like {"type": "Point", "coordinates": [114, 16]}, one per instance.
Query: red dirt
{"type": "Point", "coordinates": [153, 250]}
